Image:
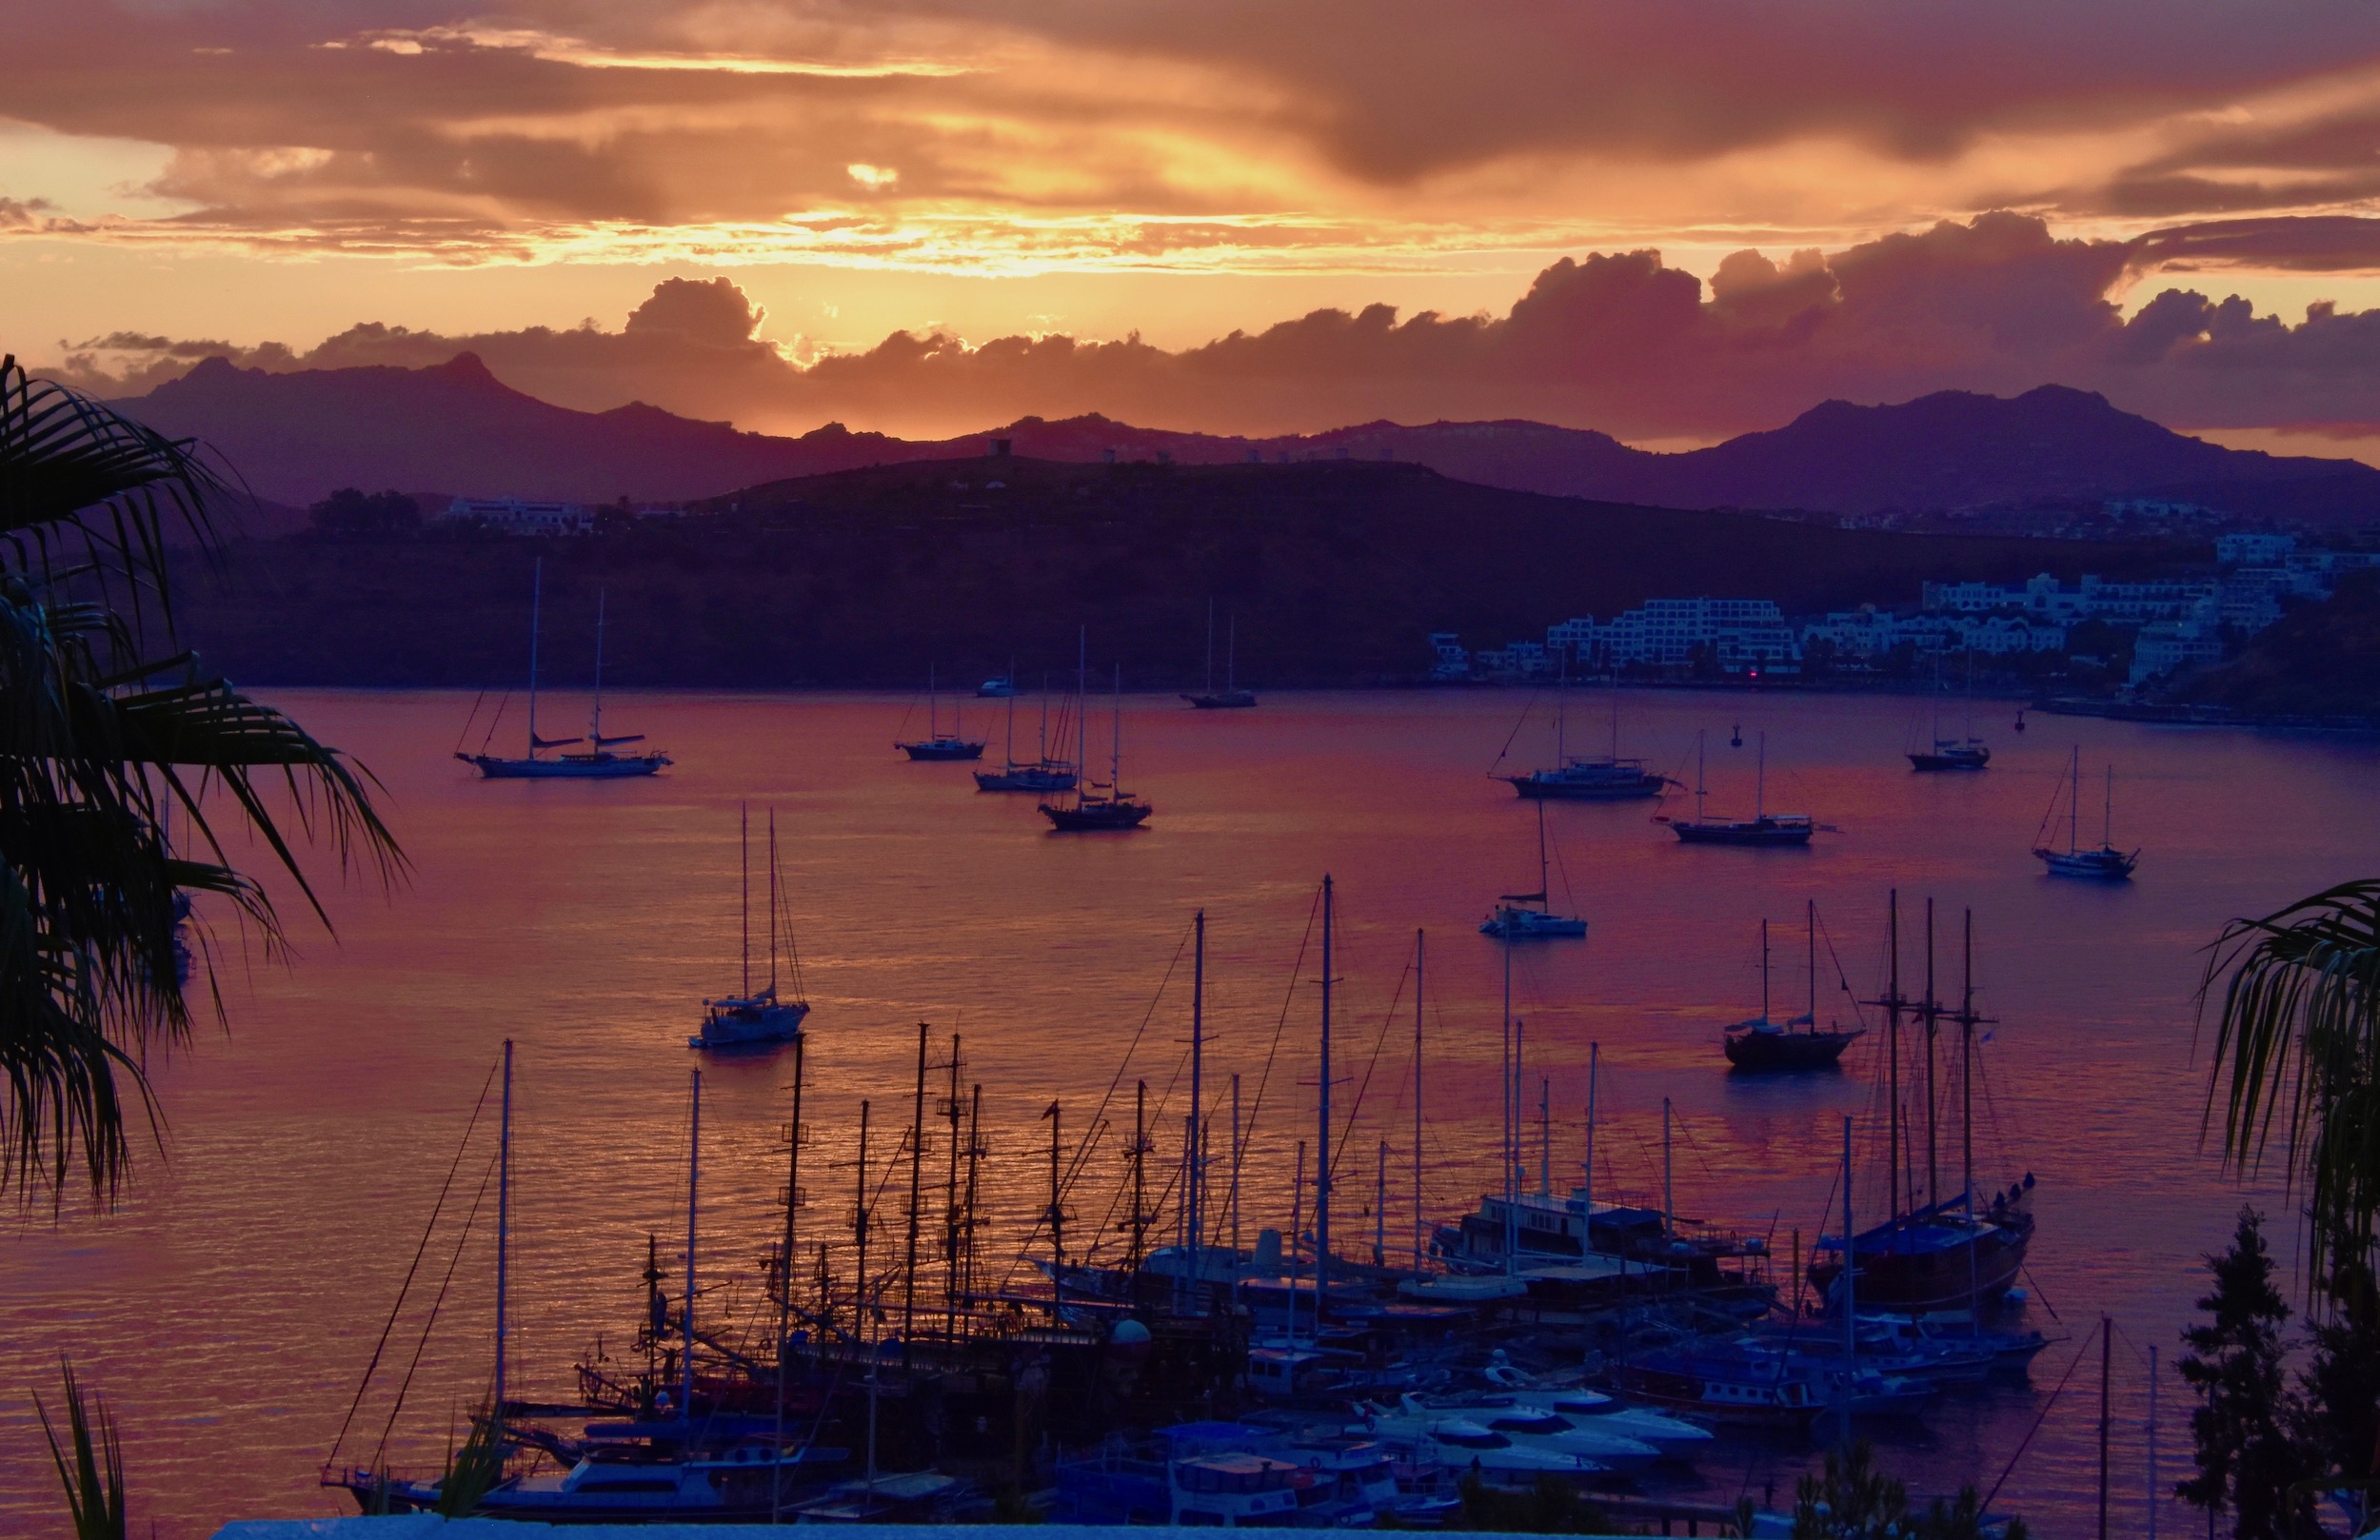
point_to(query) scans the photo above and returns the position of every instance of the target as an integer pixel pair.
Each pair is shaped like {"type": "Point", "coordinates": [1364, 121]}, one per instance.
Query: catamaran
{"type": "Point", "coordinates": [1571, 778]}
{"type": "Point", "coordinates": [1042, 774]}
{"type": "Point", "coordinates": [757, 1019]}
{"type": "Point", "coordinates": [1761, 1044]}
{"type": "Point", "coordinates": [1099, 806]}
{"type": "Point", "coordinates": [598, 762]}
{"type": "Point", "coordinates": [2105, 864]}
{"type": "Point", "coordinates": [1231, 696]}
{"type": "Point", "coordinates": [1762, 828]}
{"type": "Point", "coordinates": [1529, 917]}
{"type": "Point", "coordinates": [938, 744]}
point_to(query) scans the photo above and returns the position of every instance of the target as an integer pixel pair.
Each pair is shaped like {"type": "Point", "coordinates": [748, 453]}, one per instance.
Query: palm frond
{"type": "Point", "coordinates": [2297, 1057]}
{"type": "Point", "coordinates": [77, 473]}
{"type": "Point", "coordinates": [101, 741]}
{"type": "Point", "coordinates": [94, 1483]}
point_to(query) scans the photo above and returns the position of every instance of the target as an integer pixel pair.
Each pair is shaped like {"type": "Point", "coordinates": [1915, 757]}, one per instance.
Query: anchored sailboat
{"type": "Point", "coordinates": [1964, 753]}
{"type": "Point", "coordinates": [1948, 1254]}
{"type": "Point", "coordinates": [2105, 864]}
{"type": "Point", "coordinates": [1601, 779]}
{"type": "Point", "coordinates": [1760, 1044]}
{"type": "Point", "coordinates": [938, 744]}
{"type": "Point", "coordinates": [1231, 696]}
{"type": "Point", "coordinates": [1099, 806]}
{"type": "Point", "coordinates": [1529, 917]}
{"type": "Point", "coordinates": [757, 1019]}
{"type": "Point", "coordinates": [1762, 828]}
{"type": "Point", "coordinates": [1043, 774]}
{"type": "Point", "coordinates": [597, 761]}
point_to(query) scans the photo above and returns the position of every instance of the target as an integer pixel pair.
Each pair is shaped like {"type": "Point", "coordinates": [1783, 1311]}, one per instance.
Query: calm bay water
{"type": "Point", "coordinates": [228, 1305]}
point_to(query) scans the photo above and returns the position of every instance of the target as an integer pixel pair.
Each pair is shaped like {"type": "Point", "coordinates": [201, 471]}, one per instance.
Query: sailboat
{"type": "Point", "coordinates": [1529, 917]}
{"type": "Point", "coordinates": [1964, 753]}
{"type": "Point", "coordinates": [1762, 828]}
{"type": "Point", "coordinates": [1231, 696]}
{"type": "Point", "coordinates": [1604, 778]}
{"type": "Point", "coordinates": [1099, 806]}
{"type": "Point", "coordinates": [938, 744]}
{"type": "Point", "coordinates": [1760, 1044]}
{"type": "Point", "coordinates": [1948, 1254]}
{"type": "Point", "coordinates": [756, 1019]}
{"type": "Point", "coordinates": [2105, 864]}
{"type": "Point", "coordinates": [598, 762]}
{"type": "Point", "coordinates": [1043, 774]}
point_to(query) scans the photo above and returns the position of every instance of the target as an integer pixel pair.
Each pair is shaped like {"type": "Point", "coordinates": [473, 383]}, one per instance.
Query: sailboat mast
{"type": "Point", "coordinates": [504, 1247]}
{"type": "Point", "coordinates": [693, 1189]}
{"type": "Point", "coordinates": [1322, 1122]}
{"type": "Point", "coordinates": [784, 1281]}
{"type": "Point", "coordinates": [1115, 742]}
{"type": "Point", "coordinates": [1760, 778]}
{"type": "Point", "coordinates": [1210, 646]}
{"type": "Point", "coordinates": [1933, 1022]}
{"type": "Point", "coordinates": [537, 603]}
{"type": "Point", "coordinates": [1504, 1156]}
{"type": "Point", "coordinates": [1703, 790]}
{"type": "Point", "coordinates": [2107, 828]}
{"type": "Point", "coordinates": [1851, 1311]}
{"type": "Point", "coordinates": [1669, 1176]}
{"type": "Point", "coordinates": [1545, 1137]}
{"type": "Point", "coordinates": [774, 887]}
{"type": "Point", "coordinates": [744, 866]}
{"type": "Point", "coordinates": [1419, 958]}
{"type": "Point", "coordinates": [1561, 712]}
{"type": "Point", "coordinates": [1081, 713]}
{"type": "Point", "coordinates": [1893, 1053]}
{"type": "Point", "coordinates": [2073, 804]}
{"type": "Point", "coordinates": [1764, 969]}
{"type": "Point", "coordinates": [1011, 750]}
{"type": "Point", "coordinates": [1545, 892]}
{"type": "Point", "coordinates": [1967, 1107]}
{"type": "Point", "coordinates": [1586, 1191]}
{"type": "Point", "coordinates": [1231, 653]}
{"type": "Point", "coordinates": [595, 726]}
{"type": "Point", "coordinates": [1811, 928]}
{"type": "Point", "coordinates": [1193, 1179]}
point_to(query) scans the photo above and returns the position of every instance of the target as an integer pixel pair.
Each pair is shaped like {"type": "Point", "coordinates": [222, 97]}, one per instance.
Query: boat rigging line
{"type": "Point", "coordinates": [444, 1284]}
{"type": "Point", "coordinates": [436, 1209]}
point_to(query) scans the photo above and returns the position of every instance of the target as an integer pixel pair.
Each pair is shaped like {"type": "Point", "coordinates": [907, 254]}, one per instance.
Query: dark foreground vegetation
{"type": "Point", "coordinates": [1334, 574]}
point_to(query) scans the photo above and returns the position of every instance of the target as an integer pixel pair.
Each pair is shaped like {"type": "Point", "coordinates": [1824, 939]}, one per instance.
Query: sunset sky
{"type": "Point", "coordinates": [1671, 222]}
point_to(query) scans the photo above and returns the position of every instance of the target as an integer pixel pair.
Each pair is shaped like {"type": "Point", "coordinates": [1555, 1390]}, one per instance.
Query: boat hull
{"type": "Point", "coordinates": [607, 768]}
{"type": "Point", "coordinates": [2108, 865]}
{"type": "Point", "coordinates": [1916, 1267]}
{"type": "Point", "coordinates": [1764, 1052]}
{"type": "Point", "coordinates": [1951, 759]}
{"type": "Point", "coordinates": [1097, 818]}
{"type": "Point", "coordinates": [1024, 777]}
{"type": "Point", "coordinates": [941, 750]}
{"type": "Point", "coordinates": [1760, 834]}
{"type": "Point", "coordinates": [1222, 700]}
{"type": "Point", "coordinates": [1548, 789]}
{"type": "Point", "coordinates": [729, 1026]}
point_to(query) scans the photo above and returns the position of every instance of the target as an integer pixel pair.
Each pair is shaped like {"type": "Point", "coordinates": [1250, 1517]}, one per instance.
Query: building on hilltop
{"type": "Point", "coordinates": [516, 516]}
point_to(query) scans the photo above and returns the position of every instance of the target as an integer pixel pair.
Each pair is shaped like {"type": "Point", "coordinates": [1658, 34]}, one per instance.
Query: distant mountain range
{"type": "Point", "coordinates": [294, 437]}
